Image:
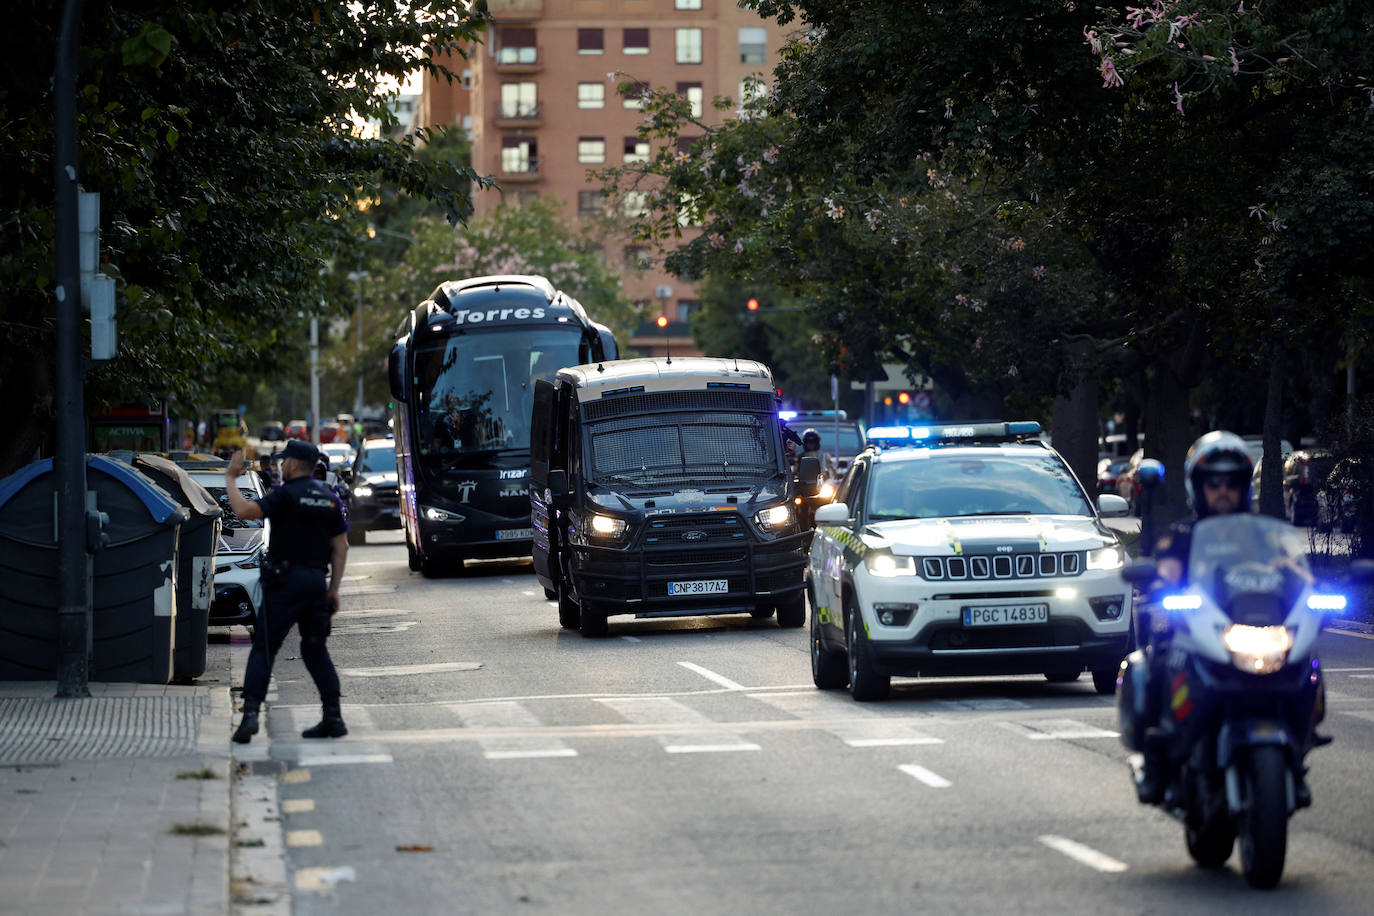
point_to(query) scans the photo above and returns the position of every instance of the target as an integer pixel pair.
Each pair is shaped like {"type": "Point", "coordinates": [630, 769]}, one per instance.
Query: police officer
{"type": "Point", "coordinates": [811, 447]}
{"type": "Point", "coordinates": [1217, 480]}
{"type": "Point", "coordinates": [309, 536]}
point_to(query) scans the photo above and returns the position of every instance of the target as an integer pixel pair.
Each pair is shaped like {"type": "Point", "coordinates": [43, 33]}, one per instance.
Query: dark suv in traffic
{"type": "Point", "coordinates": [373, 504]}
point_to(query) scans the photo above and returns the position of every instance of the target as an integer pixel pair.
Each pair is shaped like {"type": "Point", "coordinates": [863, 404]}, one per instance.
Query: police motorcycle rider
{"type": "Point", "coordinates": [811, 446]}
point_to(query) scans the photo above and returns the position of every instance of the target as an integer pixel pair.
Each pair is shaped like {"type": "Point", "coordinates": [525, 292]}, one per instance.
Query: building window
{"type": "Point", "coordinates": [518, 156]}
{"type": "Point", "coordinates": [519, 199]}
{"type": "Point", "coordinates": [636, 150]}
{"type": "Point", "coordinates": [591, 203]}
{"type": "Point", "coordinates": [692, 92]}
{"type": "Point", "coordinates": [636, 203]}
{"type": "Point", "coordinates": [749, 90]}
{"type": "Point", "coordinates": [633, 95]}
{"type": "Point", "coordinates": [467, 78]}
{"type": "Point", "coordinates": [686, 308]}
{"type": "Point", "coordinates": [637, 258]}
{"type": "Point", "coordinates": [591, 149]}
{"type": "Point", "coordinates": [753, 45]}
{"type": "Point", "coordinates": [686, 4]}
{"type": "Point", "coordinates": [636, 41]}
{"type": "Point", "coordinates": [517, 47]}
{"type": "Point", "coordinates": [591, 95]}
{"type": "Point", "coordinates": [591, 41]}
{"type": "Point", "coordinates": [519, 100]}
{"type": "Point", "coordinates": [688, 44]}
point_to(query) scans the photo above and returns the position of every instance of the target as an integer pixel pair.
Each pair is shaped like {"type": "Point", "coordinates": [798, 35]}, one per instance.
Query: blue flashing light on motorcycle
{"type": "Point", "coordinates": [1181, 602]}
{"type": "Point", "coordinates": [1320, 602]}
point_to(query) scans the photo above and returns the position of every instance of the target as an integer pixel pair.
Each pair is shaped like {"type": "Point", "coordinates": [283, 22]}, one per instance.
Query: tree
{"type": "Point", "coordinates": [224, 146]}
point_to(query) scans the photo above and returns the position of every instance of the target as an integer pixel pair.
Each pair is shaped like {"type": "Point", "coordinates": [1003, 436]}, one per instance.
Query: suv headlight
{"type": "Point", "coordinates": [363, 491]}
{"type": "Point", "coordinates": [1257, 650]}
{"type": "Point", "coordinates": [886, 566]}
{"type": "Point", "coordinates": [1112, 557]}
{"type": "Point", "coordinates": [774, 518]}
{"type": "Point", "coordinates": [435, 514]}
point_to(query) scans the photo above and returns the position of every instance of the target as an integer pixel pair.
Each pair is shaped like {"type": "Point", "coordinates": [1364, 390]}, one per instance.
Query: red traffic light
{"type": "Point", "coordinates": [661, 321]}
{"type": "Point", "coordinates": [904, 397]}
{"type": "Point", "coordinates": [753, 305]}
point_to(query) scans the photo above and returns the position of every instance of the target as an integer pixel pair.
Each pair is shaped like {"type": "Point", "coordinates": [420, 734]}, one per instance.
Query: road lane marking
{"type": "Point", "coordinates": [934, 780]}
{"type": "Point", "coordinates": [340, 758]}
{"type": "Point", "coordinates": [1358, 714]}
{"type": "Point", "coordinates": [990, 703]}
{"type": "Point", "coordinates": [1057, 729]}
{"type": "Point", "coordinates": [860, 727]}
{"type": "Point", "coordinates": [500, 720]}
{"type": "Point", "coordinates": [374, 612]}
{"type": "Point", "coordinates": [1084, 854]}
{"type": "Point", "coordinates": [366, 590]}
{"type": "Point", "coordinates": [296, 838]}
{"type": "Point", "coordinates": [353, 564]}
{"type": "Point", "coordinates": [710, 675]}
{"type": "Point", "coordinates": [295, 777]}
{"type": "Point", "coordinates": [1345, 670]}
{"type": "Point", "coordinates": [297, 805]}
{"type": "Point", "coordinates": [401, 670]}
{"type": "Point", "coordinates": [323, 879]}
{"type": "Point", "coordinates": [700, 734]}
{"type": "Point", "coordinates": [528, 592]}
{"type": "Point", "coordinates": [1349, 633]}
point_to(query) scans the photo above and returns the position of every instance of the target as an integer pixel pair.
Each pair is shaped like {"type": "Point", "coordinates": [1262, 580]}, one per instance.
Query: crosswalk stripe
{"type": "Point", "coordinates": [1084, 854]}
{"type": "Point", "coordinates": [934, 780]}
{"type": "Point", "coordinates": [710, 737]}
{"type": "Point", "coordinates": [855, 726]}
{"type": "Point", "coordinates": [499, 715]}
{"type": "Point", "coordinates": [1057, 729]}
{"type": "Point", "coordinates": [318, 752]}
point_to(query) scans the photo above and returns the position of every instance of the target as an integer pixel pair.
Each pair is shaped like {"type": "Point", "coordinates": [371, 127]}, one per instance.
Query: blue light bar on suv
{"type": "Point", "coordinates": [932, 435]}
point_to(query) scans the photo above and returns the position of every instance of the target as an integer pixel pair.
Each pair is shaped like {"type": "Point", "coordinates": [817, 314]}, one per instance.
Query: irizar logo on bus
{"type": "Point", "coordinates": [474, 316]}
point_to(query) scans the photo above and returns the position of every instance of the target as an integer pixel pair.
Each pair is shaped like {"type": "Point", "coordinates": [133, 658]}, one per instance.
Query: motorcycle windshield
{"type": "Point", "coordinates": [1253, 566]}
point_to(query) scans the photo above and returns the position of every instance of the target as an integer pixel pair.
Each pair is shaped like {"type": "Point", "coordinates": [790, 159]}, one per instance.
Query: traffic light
{"type": "Point", "coordinates": [661, 321]}
{"type": "Point", "coordinates": [752, 305]}
{"type": "Point", "coordinates": [904, 398]}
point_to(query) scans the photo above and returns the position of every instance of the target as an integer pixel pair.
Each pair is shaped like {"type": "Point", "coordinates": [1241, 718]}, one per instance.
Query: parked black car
{"type": "Point", "coordinates": [375, 505]}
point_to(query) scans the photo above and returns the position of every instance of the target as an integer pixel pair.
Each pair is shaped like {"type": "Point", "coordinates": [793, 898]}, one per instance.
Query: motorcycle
{"type": "Point", "coordinates": [1237, 689]}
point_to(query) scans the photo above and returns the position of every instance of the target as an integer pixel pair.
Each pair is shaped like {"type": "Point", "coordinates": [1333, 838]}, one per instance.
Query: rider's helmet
{"type": "Point", "coordinates": [811, 440]}
{"type": "Point", "coordinates": [1217, 452]}
{"type": "Point", "coordinates": [321, 469]}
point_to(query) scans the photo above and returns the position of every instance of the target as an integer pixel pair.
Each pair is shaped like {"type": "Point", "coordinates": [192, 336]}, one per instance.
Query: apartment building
{"type": "Point", "coordinates": [544, 109]}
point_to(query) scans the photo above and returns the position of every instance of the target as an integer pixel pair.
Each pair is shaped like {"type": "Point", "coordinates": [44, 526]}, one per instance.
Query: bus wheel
{"type": "Point", "coordinates": [569, 614]}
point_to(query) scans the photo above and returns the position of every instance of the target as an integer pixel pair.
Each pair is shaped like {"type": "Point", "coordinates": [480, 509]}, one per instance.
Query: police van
{"type": "Point", "coordinates": [661, 488]}
{"type": "Point", "coordinates": [965, 549]}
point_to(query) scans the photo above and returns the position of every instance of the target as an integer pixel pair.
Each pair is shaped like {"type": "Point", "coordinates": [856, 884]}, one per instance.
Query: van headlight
{"type": "Point", "coordinates": [774, 518]}
{"type": "Point", "coordinates": [1257, 650]}
{"type": "Point", "coordinates": [1112, 557]}
{"type": "Point", "coordinates": [363, 491]}
{"type": "Point", "coordinates": [886, 566]}
{"type": "Point", "coordinates": [604, 527]}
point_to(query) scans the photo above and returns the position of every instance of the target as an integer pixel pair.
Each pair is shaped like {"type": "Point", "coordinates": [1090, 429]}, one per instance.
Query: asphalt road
{"type": "Point", "coordinates": [499, 764]}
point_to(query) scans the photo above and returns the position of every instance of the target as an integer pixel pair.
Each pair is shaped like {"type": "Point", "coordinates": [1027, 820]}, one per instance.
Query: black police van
{"type": "Point", "coordinates": [661, 488]}
{"type": "Point", "coordinates": [462, 374]}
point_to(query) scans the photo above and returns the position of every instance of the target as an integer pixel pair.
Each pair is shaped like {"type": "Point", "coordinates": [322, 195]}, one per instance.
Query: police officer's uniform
{"type": "Point", "coordinates": [306, 516]}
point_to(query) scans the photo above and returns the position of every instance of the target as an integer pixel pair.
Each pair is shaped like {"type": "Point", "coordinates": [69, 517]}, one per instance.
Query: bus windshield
{"type": "Point", "coordinates": [475, 390]}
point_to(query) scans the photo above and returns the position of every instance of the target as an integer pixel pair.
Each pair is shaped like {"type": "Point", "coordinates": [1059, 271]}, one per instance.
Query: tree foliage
{"type": "Point", "coordinates": [223, 143]}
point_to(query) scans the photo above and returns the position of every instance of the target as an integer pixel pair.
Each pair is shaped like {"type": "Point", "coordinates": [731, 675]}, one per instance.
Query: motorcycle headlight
{"type": "Point", "coordinates": [1112, 557]}
{"type": "Point", "coordinates": [362, 491]}
{"type": "Point", "coordinates": [435, 514]}
{"type": "Point", "coordinates": [826, 492]}
{"type": "Point", "coordinates": [887, 566]}
{"type": "Point", "coordinates": [1257, 650]}
{"type": "Point", "coordinates": [774, 518]}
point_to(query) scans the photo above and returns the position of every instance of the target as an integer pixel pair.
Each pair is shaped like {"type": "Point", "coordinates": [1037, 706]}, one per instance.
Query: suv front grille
{"type": "Point", "coordinates": [1002, 566]}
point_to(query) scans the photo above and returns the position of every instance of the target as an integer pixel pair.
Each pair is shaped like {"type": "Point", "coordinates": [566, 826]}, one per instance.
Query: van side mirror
{"type": "Point", "coordinates": [808, 475]}
{"type": "Point", "coordinates": [558, 488]}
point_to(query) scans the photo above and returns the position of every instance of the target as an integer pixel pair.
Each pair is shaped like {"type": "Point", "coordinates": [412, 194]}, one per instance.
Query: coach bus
{"type": "Point", "coordinates": [462, 374]}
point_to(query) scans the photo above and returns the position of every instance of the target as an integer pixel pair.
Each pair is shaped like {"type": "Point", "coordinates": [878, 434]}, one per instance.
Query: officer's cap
{"type": "Point", "coordinates": [301, 451]}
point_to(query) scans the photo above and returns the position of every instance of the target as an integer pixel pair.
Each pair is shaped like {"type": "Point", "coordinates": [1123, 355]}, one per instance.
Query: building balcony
{"type": "Point", "coordinates": [517, 61]}
{"type": "Point", "coordinates": [527, 116]}
{"type": "Point", "coordinates": [529, 174]}
{"type": "Point", "coordinates": [515, 10]}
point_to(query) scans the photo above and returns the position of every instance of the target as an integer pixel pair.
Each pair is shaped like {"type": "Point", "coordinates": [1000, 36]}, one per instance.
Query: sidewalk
{"type": "Point", "coordinates": [118, 803]}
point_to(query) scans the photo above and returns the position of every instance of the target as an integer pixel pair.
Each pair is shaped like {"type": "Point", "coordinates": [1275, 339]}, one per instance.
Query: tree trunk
{"type": "Point", "coordinates": [1167, 437]}
{"type": "Point", "coordinates": [1271, 468]}
{"type": "Point", "coordinates": [1074, 431]}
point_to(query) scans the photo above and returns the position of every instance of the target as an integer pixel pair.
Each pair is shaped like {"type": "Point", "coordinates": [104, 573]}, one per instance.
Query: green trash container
{"type": "Point", "coordinates": [133, 587]}
{"type": "Point", "coordinates": [195, 560]}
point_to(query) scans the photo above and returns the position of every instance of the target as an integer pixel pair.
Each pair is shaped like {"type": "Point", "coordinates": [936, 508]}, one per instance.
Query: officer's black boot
{"type": "Point", "coordinates": [331, 726]}
{"type": "Point", "coordinates": [248, 725]}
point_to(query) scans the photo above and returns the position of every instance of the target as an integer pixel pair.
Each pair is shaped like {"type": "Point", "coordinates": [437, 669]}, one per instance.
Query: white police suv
{"type": "Point", "coordinates": [964, 550]}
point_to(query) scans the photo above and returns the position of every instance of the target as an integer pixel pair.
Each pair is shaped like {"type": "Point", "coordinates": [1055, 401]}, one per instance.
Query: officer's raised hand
{"type": "Point", "coordinates": [236, 463]}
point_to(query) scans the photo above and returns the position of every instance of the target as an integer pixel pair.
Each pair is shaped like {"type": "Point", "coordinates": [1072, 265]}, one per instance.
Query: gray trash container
{"type": "Point", "coordinates": [195, 560]}
{"type": "Point", "coordinates": [133, 588]}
